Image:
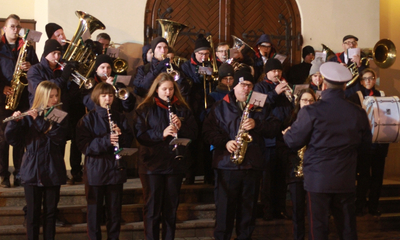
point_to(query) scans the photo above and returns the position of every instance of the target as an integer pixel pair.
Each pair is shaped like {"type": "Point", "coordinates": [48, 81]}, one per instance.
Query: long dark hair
{"type": "Point", "coordinates": [297, 106]}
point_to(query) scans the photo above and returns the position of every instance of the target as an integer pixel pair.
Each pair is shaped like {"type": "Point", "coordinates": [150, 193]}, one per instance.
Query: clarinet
{"type": "Point", "coordinates": [178, 156]}
{"type": "Point", "coordinates": [116, 147]}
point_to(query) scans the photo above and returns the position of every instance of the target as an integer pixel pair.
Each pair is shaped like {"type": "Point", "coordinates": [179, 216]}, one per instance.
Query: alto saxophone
{"type": "Point", "coordinates": [243, 137]}
{"type": "Point", "coordinates": [299, 170]}
{"type": "Point", "coordinates": [19, 80]}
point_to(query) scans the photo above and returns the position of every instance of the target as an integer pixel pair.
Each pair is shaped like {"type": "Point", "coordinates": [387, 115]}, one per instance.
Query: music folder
{"type": "Point", "coordinates": [180, 141]}
{"type": "Point", "coordinates": [127, 151]}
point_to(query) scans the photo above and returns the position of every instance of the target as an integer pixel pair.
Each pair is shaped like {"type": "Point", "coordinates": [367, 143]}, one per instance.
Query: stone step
{"type": "Point", "coordinates": [390, 189]}
{"type": "Point", "coordinates": [389, 204]}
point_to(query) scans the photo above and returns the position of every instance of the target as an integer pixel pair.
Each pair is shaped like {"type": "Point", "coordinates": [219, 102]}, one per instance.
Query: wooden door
{"type": "Point", "coordinates": [223, 18]}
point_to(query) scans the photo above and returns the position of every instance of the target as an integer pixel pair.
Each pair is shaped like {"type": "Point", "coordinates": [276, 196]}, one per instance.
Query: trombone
{"type": "Point", "coordinates": [121, 93]}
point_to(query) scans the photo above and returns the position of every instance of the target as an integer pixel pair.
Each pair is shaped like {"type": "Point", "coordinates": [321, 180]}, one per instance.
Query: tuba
{"type": "Point", "coordinates": [19, 80]}
{"type": "Point", "coordinates": [170, 30]}
{"type": "Point", "coordinates": [243, 137]}
{"type": "Point", "coordinates": [77, 50]}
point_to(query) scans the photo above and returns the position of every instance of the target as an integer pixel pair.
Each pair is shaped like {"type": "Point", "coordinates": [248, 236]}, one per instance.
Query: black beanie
{"type": "Point", "coordinates": [201, 44]}
{"type": "Point", "coordinates": [272, 64]}
{"type": "Point", "coordinates": [225, 70]}
{"type": "Point", "coordinates": [307, 50]}
{"type": "Point", "coordinates": [51, 45]}
{"type": "Point", "coordinates": [51, 28]}
{"type": "Point", "coordinates": [156, 41]}
{"type": "Point", "coordinates": [243, 75]}
{"type": "Point", "coordinates": [103, 58]}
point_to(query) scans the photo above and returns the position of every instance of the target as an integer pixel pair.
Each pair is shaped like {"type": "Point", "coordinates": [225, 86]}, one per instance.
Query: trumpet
{"type": "Point", "coordinates": [79, 79]}
{"type": "Point", "coordinates": [121, 93]}
{"type": "Point", "coordinates": [288, 92]}
{"type": "Point", "coordinates": [39, 110]}
{"type": "Point", "coordinates": [170, 70]}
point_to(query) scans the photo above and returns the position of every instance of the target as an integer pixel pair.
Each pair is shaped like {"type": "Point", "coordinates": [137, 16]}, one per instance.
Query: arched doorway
{"type": "Point", "coordinates": [223, 18]}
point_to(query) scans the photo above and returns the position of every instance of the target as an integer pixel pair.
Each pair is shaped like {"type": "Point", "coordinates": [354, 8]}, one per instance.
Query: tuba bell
{"type": "Point", "coordinates": [77, 50]}
{"type": "Point", "coordinates": [170, 30]}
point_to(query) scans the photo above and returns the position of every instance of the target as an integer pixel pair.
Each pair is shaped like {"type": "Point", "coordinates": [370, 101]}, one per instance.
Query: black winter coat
{"type": "Point", "coordinates": [43, 162]}
{"type": "Point", "coordinates": [93, 140]}
{"type": "Point", "coordinates": [221, 125]}
{"type": "Point", "coordinates": [155, 154]}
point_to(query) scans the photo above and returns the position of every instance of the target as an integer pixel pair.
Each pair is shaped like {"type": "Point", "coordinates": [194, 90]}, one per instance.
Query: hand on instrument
{"type": "Point", "coordinates": [110, 80]}
{"type": "Point", "coordinates": [68, 69]}
{"type": "Point", "coordinates": [231, 146]}
{"type": "Point", "coordinates": [281, 87]}
{"type": "Point", "coordinates": [116, 129]}
{"type": "Point", "coordinates": [249, 124]}
{"type": "Point", "coordinates": [114, 139]}
{"type": "Point", "coordinates": [356, 59]}
{"type": "Point", "coordinates": [25, 66]}
{"type": "Point", "coordinates": [17, 114]}
{"type": "Point", "coordinates": [170, 131]}
{"type": "Point", "coordinates": [284, 131]}
{"type": "Point", "coordinates": [8, 90]}
{"type": "Point", "coordinates": [33, 113]}
{"type": "Point", "coordinates": [176, 121]}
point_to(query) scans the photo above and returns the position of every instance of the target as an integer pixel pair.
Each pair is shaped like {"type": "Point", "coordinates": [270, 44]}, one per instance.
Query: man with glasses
{"type": "Point", "coordinates": [237, 186]}
{"type": "Point", "coordinates": [273, 189]}
{"type": "Point", "coordinates": [222, 53]}
{"type": "Point", "coordinates": [10, 46]}
{"type": "Point", "coordinates": [350, 41]}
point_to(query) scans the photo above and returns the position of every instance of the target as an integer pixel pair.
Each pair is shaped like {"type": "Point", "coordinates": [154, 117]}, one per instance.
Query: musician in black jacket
{"type": "Point", "coordinates": [10, 47]}
{"type": "Point", "coordinates": [55, 31]}
{"type": "Point", "coordinates": [237, 185]}
{"type": "Point", "coordinates": [102, 174]}
{"type": "Point", "coordinates": [160, 172]}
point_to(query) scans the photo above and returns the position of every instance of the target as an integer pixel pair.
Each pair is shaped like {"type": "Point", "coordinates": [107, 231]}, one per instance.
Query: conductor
{"type": "Point", "coordinates": [334, 130]}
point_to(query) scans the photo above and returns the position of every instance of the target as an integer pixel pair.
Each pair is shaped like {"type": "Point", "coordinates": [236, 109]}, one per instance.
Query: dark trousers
{"type": "Point", "coordinates": [370, 169]}
{"type": "Point", "coordinates": [34, 196]}
{"type": "Point", "coordinates": [298, 195]}
{"type": "Point", "coordinates": [95, 196]}
{"type": "Point", "coordinates": [342, 207]}
{"type": "Point", "coordinates": [75, 157]}
{"type": "Point", "coordinates": [237, 194]}
{"type": "Point", "coordinates": [273, 186]}
{"type": "Point", "coordinates": [161, 197]}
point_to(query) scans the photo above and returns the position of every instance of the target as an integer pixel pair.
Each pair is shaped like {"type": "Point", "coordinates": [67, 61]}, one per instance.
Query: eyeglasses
{"type": "Point", "coordinates": [307, 100]}
{"type": "Point", "coordinates": [368, 78]}
{"type": "Point", "coordinates": [13, 27]}
{"type": "Point", "coordinates": [203, 54]}
{"type": "Point", "coordinates": [222, 51]}
{"type": "Point", "coordinates": [350, 43]}
{"type": "Point", "coordinates": [248, 85]}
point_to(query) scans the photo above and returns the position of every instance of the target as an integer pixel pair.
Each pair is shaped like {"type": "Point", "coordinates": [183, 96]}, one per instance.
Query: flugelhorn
{"type": "Point", "coordinates": [78, 78]}
{"type": "Point", "coordinates": [121, 93]}
{"type": "Point", "coordinates": [288, 92]}
{"type": "Point", "coordinates": [170, 70]}
{"type": "Point", "coordinates": [39, 110]}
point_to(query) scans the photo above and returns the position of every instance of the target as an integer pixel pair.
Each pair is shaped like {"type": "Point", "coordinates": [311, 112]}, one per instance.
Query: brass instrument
{"type": "Point", "coordinates": [77, 50]}
{"type": "Point", "coordinates": [175, 148]}
{"type": "Point", "coordinates": [19, 80]}
{"type": "Point", "coordinates": [39, 110]}
{"type": "Point", "coordinates": [243, 137]}
{"type": "Point", "coordinates": [242, 46]}
{"type": "Point", "coordinates": [383, 54]}
{"type": "Point", "coordinates": [170, 70]}
{"type": "Point", "coordinates": [116, 146]}
{"type": "Point", "coordinates": [299, 170]}
{"type": "Point", "coordinates": [121, 93]}
{"type": "Point", "coordinates": [119, 65]}
{"type": "Point", "coordinates": [79, 79]}
{"type": "Point", "coordinates": [170, 30]}
{"type": "Point", "coordinates": [214, 59]}
{"type": "Point", "coordinates": [288, 92]}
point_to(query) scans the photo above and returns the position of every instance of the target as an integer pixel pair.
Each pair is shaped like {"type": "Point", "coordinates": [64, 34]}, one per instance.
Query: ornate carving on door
{"type": "Point", "coordinates": [223, 18]}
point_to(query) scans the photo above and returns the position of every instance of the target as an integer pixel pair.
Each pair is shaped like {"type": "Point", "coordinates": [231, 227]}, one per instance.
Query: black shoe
{"type": "Point", "coordinates": [59, 223]}
{"type": "Point", "coordinates": [5, 182]}
{"type": "Point", "coordinates": [17, 182]}
{"type": "Point", "coordinates": [375, 213]}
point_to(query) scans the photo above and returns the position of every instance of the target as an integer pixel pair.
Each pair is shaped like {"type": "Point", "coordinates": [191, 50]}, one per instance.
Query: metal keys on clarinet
{"type": "Point", "coordinates": [116, 145]}
{"type": "Point", "coordinates": [288, 92]}
{"type": "Point", "coordinates": [170, 115]}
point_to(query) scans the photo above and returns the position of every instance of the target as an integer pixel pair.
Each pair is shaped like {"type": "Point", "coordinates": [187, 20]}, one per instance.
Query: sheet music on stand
{"type": "Point", "coordinates": [299, 87]}
{"type": "Point", "coordinates": [258, 99]}
{"type": "Point", "coordinates": [180, 141]}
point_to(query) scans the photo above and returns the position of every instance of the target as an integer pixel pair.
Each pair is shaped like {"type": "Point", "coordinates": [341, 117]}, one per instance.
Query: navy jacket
{"type": "Point", "coordinates": [93, 140]}
{"type": "Point", "coordinates": [221, 125]}
{"type": "Point", "coordinates": [333, 130]}
{"type": "Point", "coordinates": [8, 59]}
{"type": "Point", "coordinates": [298, 73]}
{"type": "Point", "coordinates": [42, 71]}
{"type": "Point", "coordinates": [146, 74]}
{"type": "Point", "coordinates": [119, 105]}
{"type": "Point", "coordinates": [155, 154]}
{"type": "Point", "coordinates": [43, 162]}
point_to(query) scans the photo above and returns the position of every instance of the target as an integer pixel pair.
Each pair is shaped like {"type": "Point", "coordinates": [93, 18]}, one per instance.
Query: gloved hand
{"type": "Point", "coordinates": [69, 69]}
{"type": "Point", "coordinates": [162, 65]}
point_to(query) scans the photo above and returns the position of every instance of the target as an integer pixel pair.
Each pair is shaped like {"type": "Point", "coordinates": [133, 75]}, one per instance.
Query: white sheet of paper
{"type": "Point", "coordinates": [299, 87]}
{"type": "Point", "coordinates": [321, 55]}
{"type": "Point", "coordinates": [113, 52]}
{"type": "Point", "coordinates": [34, 36]}
{"type": "Point", "coordinates": [280, 57]}
{"type": "Point", "coordinates": [86, 35]}
{"type": "Point", "coordinates": [352, 52]}
{"type": "Point", "coordinates": [56, 115]}
{"type": "Point", "coordinates": [258, 99]}
{"type": "Point", "coordinates": [125, 79]}
{"type": "Point", "coordinates": [206, 70]}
